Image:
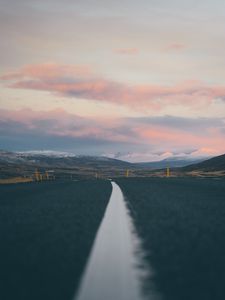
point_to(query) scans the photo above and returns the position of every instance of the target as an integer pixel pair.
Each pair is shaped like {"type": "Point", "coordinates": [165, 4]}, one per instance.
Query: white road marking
{"type": "Point", "coordinates": [112, 272]}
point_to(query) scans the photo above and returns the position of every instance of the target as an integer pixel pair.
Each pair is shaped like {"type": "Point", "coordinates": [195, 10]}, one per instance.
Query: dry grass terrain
{"type": "Point", "coordinates": [16, 180]}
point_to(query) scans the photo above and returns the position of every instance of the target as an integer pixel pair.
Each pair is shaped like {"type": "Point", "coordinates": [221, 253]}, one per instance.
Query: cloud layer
{"type": "Point", "coordinates": [146, 138]}
{"type": "Point", "coordinates": [82, 83]}
{"type": "Point", "coordinates": [127, 51]}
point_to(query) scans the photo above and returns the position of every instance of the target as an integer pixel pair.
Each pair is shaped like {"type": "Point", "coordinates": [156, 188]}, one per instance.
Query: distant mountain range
{"type": "Point", "coordinates": [173, 162]}
{"type": "Point", "coordinates": [58, 159]}
{"type": "Point", "coordinates": [70, 160]}
{"type": "Point", "coordinates": [14, 164]}
{"type": "Point", "coordinates": [25, 163]}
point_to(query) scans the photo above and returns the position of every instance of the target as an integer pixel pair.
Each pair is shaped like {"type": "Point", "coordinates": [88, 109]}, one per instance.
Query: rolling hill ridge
{"type": "Point", "coordinates": [210, 165]}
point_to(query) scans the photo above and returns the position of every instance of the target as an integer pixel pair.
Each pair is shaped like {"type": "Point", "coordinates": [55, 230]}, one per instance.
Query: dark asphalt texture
{"type": "Point", "coordinates": [181, 224]}
{"type": "Point", "coordinates": [46, 233]}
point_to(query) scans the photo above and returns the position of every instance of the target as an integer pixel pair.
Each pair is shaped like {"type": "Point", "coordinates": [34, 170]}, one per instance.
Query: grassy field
{"type": "Point", "coordinates": [47, 230]}
{"type": "Point", "coordinates": [181, 223]}
{"type": "Point", "coordinates": [15, 180]}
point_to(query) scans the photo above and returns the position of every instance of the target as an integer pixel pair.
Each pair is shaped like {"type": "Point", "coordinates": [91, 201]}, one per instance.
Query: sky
{"type": "Point", "coordinates": [134, 80]}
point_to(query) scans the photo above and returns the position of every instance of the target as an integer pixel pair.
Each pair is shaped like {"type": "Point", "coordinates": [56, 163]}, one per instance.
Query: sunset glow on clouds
{"type": "Point", "coordinates": [120, 78]}
{"type": "Point", "coordinates": [146, 135]}
{"type": "Point", "coordinates": [78, 82]}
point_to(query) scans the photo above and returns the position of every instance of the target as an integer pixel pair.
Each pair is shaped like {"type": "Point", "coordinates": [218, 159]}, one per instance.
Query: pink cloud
{"type": "Point", "coordinates": [59, 123]}
{"type": "Point", "coordinates": [80, 82]}
{"type": "Point", "coordinates": [175, 47]}
{"type": "Point", "coordinates": [47, 71]}
{"type": "Point", "coordinates": [127, 51]}
{"type": "Point", "coordinates": [208, 142]}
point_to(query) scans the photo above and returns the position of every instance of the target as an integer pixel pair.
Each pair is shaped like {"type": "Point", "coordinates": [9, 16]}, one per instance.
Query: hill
{"type": "Point", "coordinates": [169, 162]}
{"type": "Point", "coordinates": [24, 164]}
{"type": "Point", "coordinates": [210, 165]}
{"type": "Point", "coordinates": [67, 165]}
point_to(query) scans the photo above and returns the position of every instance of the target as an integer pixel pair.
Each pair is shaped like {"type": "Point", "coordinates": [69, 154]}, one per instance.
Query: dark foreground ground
{"type": "Point", "coordinates": [46, 232]}
{"type": "Point", "coordinates": [182, 225]}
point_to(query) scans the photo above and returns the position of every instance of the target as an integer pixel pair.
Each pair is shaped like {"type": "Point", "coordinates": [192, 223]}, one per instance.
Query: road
{"type": "Point", "coordinates": [112, 271]}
